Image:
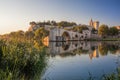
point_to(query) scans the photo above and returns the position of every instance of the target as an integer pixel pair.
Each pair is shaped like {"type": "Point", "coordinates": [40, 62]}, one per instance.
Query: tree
{"type": "Point", "coordinates": [41, 33]}
{"type": "Point", "coordinates": [32, 23]}
{"type": "Point", "coordinates": [53, 23]}
{"type": "Point", "coordinates": [18, 34]}
{"type": "Point", "coordinates": [103, 30]}
{"type": "Point", "coordinates": [113, 48]}
{"type": "Point", "coordinates": [29, 35]}
{"type": "Point", "coordinates": [80, 28]}
{"type": "Point", "coordinates": [66, 24]}
{"type": "Point", "coordinates": [113, 31]}
{"type": "Point", "coordinates": [12, 34]}
{"type": "Point", "coordinates": [103, 49]}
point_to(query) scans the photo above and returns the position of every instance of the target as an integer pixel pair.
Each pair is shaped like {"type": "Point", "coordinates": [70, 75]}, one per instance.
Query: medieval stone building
{"type": "Point", "coordinates": [94, 24]}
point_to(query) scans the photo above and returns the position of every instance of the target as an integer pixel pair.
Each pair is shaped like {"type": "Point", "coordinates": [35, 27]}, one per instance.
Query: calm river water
{"type": "Point", "coordinates": [81, 60]}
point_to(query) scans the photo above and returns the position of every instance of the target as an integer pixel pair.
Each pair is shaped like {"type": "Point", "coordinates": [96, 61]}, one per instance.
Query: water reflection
{"type": "Point", "coordinates": [74, 60]}
{"type": "Point", "coordinates": [94, 49]}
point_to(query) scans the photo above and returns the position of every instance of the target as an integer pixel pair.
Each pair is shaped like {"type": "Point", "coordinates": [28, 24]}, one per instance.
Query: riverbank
{"type": "Point", "coordinates": [105, 39]}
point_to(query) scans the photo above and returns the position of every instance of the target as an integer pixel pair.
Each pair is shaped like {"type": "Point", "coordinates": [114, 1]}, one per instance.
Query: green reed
{"type": "Point", "coordinates": [21, 61]}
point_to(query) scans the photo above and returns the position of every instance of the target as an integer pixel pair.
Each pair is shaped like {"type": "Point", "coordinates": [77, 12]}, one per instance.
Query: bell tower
{"type": "Point", "coordinates": [94, 24]}
{"type": "Point", "coordinates": [91, 22]}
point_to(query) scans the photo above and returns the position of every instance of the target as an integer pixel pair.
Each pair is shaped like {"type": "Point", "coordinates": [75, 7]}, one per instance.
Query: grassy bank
{"type": "Point", "coordinates": [21, 61]}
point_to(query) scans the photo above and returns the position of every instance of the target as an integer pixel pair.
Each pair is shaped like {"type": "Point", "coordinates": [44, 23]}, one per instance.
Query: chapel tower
{"type": "Point", "coordinates": [94, 24]}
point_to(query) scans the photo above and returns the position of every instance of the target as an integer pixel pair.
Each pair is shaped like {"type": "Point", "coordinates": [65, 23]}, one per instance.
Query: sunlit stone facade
{"type": "Point", "coordinates": [94, 24]}
{"type": "Point", "coordinates": [58, 34]}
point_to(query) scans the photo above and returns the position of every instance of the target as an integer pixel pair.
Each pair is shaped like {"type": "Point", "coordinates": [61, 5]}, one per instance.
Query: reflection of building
{"type": "Point", "coordinates": [46, 41]}
{"type": "Point", "coordinates": [95, 54]}
{"type": "Point", "coordinates": [94, 24]}
{"type": "Point", "coordinates": [92, 49]}
{"type": "Point", "coordinates": [73, 48]}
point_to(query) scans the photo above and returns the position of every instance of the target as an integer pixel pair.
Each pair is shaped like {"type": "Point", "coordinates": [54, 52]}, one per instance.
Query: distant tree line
{"type": "Point", "coordinates": [54, 23]}
{"type": "Point", "coordinates": [104, 30]}
{"type": "Point", "coordinates": [80, 28]}
{"type": "Point", "coordinates": [20, 35]}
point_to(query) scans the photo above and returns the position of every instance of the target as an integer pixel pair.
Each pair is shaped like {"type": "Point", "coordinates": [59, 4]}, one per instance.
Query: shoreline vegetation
{"type": "Point", "coordinates": [23, 55]}
{"type": "Point", "coordinates": [31, 36]}
{"type": "Point", "coordinates": [106, 39]}
{"type": "Point", "coordinates": [21, 60]}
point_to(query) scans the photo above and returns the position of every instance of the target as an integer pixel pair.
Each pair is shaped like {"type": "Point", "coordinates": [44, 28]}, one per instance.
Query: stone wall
{"type": "Point", "coordinates": [56, 34]}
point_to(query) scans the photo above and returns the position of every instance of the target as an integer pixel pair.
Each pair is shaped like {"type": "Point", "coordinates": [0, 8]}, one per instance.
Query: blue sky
{"type": "Point", "coordinates": [16, 14]}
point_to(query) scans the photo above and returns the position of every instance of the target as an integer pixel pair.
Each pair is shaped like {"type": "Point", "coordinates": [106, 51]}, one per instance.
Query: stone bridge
{"type": "Point", "coordinates": [58, 34]}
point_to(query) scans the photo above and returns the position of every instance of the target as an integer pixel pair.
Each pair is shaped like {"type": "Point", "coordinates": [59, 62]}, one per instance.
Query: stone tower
{"type": "Point", "coordinates": [94, 24]}
{"type": "Point", "coordinates": [91, 22]}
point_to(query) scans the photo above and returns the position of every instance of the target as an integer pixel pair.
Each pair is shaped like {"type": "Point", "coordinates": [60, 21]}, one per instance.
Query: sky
{"type": "Point", "coordinates": [16, 14]}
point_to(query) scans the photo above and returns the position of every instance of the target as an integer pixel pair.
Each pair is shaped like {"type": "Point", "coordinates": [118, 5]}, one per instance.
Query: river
{"type": "Point", "coordinates": [81, 60]}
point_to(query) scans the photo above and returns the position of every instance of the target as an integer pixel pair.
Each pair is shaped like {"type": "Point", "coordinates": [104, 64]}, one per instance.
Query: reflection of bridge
{"type": "Point", "coordinates": [93, 49]}
{"type": "Point", "coordinates": [58, 34]}
{"type": "Point", "coordinates": [64, 47]}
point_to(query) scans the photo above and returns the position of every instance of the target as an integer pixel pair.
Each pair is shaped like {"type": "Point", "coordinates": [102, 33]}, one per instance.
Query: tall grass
{"type": "Point", "coordinates": [21, 61]}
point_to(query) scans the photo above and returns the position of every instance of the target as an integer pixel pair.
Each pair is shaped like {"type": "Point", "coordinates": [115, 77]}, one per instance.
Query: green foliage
{"type": "Point", "coordinates": [103, 30]}
{"type": "Point", "coordinates": [41, 33]}
{"type": "Point", "coordinates": [17, 34]}
{"type": "Point", "coordinates": [42, 24]}
{"type": "Point", "coordinates": [112, 76]}
{"type": "Point", "coordinates": [113, 48]}
{"type": "Point", "coordinates": [54, 23]}
{"type": "Point", "coordinates": [29, 35]}
{"type": "Point", "coordinates": [66, 24]}
{"type": "Point", "coordinates": [103, 49]}
{"type": "Point", "coordinates": [21, 61]}
{"type": "Point", "coordinates": [113, 31]}
{"type": "Point", "coordinates": [80, 28]}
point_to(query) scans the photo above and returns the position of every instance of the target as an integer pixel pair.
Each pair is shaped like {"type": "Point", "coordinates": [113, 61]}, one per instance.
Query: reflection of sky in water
{"type": "Point", "coordinates": [73, 67]}
{"type": "Point", "coordinates": [78, 66]}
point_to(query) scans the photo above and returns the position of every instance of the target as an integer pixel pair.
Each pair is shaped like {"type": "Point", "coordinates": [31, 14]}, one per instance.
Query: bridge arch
{"type": "Point", "coordinates": [66, 36]}
{"type": "Point", "coordinates": [66, 46]}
